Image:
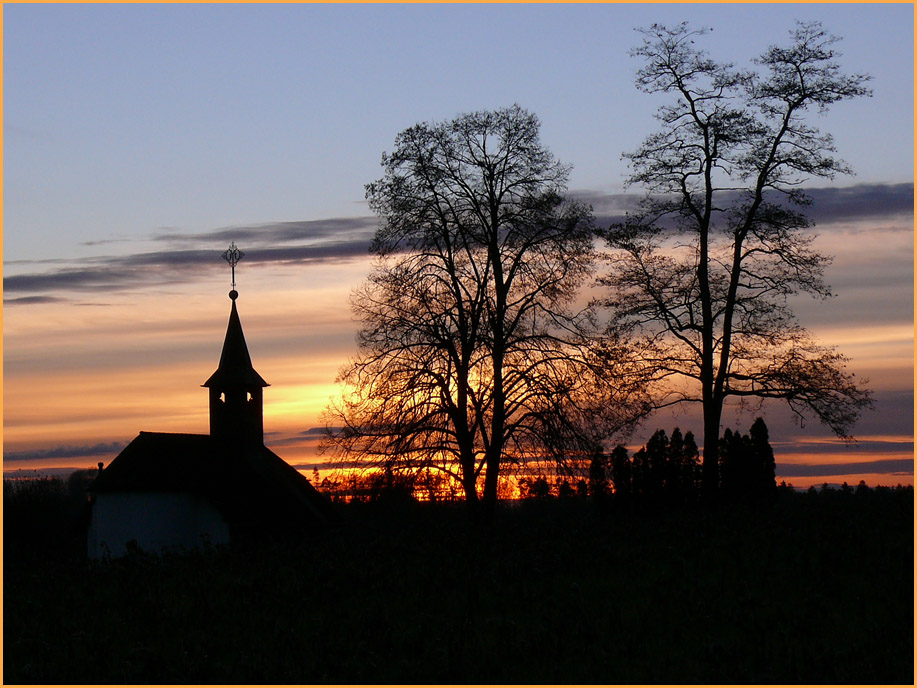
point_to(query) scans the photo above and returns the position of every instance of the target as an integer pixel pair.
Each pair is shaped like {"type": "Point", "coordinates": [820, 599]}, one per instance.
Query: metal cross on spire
{"type": "Point", "coordinates": [233, 255]}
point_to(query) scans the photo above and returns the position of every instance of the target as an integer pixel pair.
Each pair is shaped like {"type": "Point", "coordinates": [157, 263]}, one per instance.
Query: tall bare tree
{"type": "Point", "coordinates": [471, 353]}
{"type": "Point", "coordinates": [701, 275]}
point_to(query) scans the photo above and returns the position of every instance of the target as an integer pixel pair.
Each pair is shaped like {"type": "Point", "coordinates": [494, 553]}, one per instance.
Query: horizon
{"type": "Point", "coordinates": [114, 293]}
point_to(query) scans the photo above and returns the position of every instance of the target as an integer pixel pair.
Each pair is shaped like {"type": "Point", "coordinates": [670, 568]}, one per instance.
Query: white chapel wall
{"type": "Point", "coordinates": [155, 520]}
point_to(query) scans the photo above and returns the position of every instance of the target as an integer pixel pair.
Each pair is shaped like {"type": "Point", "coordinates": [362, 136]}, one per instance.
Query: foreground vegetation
{"type": "Point", "coordinates": [817, 588]}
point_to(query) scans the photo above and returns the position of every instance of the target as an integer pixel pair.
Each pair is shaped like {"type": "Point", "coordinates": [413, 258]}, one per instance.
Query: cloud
{"type": "Point", "coordinates": [885, 466]}
{"type": "Point", "coordinates": [317, 432]}
{"type": "Point", "coordinates": [32, 300]}
{"type": "Point", "coordinates": [861, 202]}
{"type": "Point", "coordinates": [868, 228]}
{"type": "Point", "coordinates": [609, 208]}
{"type": "Point", "coordinates": [346, 239]}
{"type": "Point", "coordinates": [271, 234]}
{"type": "Point", "coordinates": [829, 205]}
{"type": "Point", "coordinates": [66, 452]}
{"type": "Point", "coordinates": [175, 266]}
{"type": "Point", "coordinates": [85, 279]}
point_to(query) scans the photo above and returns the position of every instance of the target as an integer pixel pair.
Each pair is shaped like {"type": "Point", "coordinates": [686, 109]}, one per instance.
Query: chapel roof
{"type": "Point", "coordinates": [160, 461]}
{"type": "Point", "coordinates": [237, 482]}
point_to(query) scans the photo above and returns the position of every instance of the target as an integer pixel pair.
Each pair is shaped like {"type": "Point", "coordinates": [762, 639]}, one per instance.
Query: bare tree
{"type": "Point", "coordinates": [471, 353]}
{"type": "Point", "coordinates": [701, 276]}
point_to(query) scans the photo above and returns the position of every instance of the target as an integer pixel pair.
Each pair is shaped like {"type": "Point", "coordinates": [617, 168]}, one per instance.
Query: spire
{"type": "Point", "coordinates": [235, 369]}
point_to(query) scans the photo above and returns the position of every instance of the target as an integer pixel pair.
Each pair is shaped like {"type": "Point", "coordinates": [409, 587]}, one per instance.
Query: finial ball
{"type": "Point", "coordinates": [233, 294]}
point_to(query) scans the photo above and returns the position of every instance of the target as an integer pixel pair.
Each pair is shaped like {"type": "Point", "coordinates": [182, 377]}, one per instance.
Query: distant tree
{"type": "Point", "coordinates": [683, 470]}
{"type": "Point", "coordinates": [668, 468]}
{"type": "Point", "coordinates": [701, 275]}
{"type": "Point", "coordinates": [733, 468]}
{"type": "Point", "coordinates": [676, 449]}
{"type": "Point", "coordinates": [747, 466]}
{"type": "Point", "coordinates": [540, 489]}
{"type": "Point", "coordinates": [786, 488]}
{"type": "Point", "coordinates": [431, 485]}
{"type": "Point", "coordinates": [598, 478]}
{"type": "Point", "coordinates": [472, 357]}
{"type": "Point", "coordinates": [641, 478]}
{"type": "Point", "coordinates": [79, 481]}
{"type": "Point", "coordinates": [763, 457]}
{"type": "Point", "coordinates": [655, 467]}
{"type": "Point", "coordinates": [621, 473]}
{"type": "Point", "coordinates": [47, 517]}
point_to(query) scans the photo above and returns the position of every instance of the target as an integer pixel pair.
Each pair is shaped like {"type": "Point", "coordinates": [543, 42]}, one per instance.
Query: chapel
{"type": "Point", "coordinates": [176, 491]}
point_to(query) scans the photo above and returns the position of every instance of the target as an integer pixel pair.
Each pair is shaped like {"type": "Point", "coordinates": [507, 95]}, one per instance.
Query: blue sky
{"type": "Point", "coordinates": [140, 139]}
{"type": "Point", "coordinates": [120, 120]}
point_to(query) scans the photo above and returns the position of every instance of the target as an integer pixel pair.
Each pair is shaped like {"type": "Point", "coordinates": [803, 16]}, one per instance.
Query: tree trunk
{"type": "Point", "coordinates": [489, 502]}
{"type": "Point", "coordinates": [710, 474]}
{"type": "Point", "coordinates": [471, 489]}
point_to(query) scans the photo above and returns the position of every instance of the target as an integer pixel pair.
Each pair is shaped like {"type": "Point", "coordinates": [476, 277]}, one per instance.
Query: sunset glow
{"type": "Point", "coordinates": [85, 376]}
{"type": "Point", "coordinates": [115, 297]}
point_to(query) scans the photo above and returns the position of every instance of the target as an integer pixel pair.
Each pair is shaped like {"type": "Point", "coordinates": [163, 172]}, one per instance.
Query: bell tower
{"type": "Point", "coordinates": [236, 389]}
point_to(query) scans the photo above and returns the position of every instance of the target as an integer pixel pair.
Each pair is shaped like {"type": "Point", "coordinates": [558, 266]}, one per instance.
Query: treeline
{"type": "Point", "coordinates": [47, 517]}
{"type": "Point", "coordinates": [667, 470]}
{"type": "Point", "coordinates": [390, 486]}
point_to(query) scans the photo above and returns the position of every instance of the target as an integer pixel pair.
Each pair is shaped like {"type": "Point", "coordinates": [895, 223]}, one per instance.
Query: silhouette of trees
{"type": "Point", "coordinates": [622, 480]}
{"type": "Point", "coordinates": [665, 471]}
{"type": "Point", "coordinates": [561, 487]}
{"type": "Point", "coordinates": [471, 354]}
{"type": "Point", "coordinates": [683, 467]}
{"type": "Point", "coordinates": [598, 477]}
{"type": "Point", "coordinates": [701, 275]}
{"type": "Point", "coordinates": [540, 489]}
{"type": "Point", "coordinates": [46, 517]}
{"type": "Point", "coordinates": [564, 489]}
{"type": "Point", "coordinates": [747, 466]}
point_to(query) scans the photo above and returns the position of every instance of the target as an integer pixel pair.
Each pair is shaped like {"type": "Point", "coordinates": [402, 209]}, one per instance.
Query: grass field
{"type": "Point", "coordinates": [817, 588]}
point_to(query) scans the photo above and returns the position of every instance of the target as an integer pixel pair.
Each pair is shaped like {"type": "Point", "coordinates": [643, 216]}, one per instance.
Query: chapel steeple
{"type": "Point", "coordinates": [236, 388]}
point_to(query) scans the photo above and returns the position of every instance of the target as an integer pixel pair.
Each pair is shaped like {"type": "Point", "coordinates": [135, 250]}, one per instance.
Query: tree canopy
{"type": "Point", "coordinates": [700, 277]}
{"type": "Point", "coordinates": [474, 352]}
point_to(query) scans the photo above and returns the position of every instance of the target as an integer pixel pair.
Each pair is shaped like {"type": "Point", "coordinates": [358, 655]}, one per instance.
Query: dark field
{"type": "Point", "coordinates": [817, 588]}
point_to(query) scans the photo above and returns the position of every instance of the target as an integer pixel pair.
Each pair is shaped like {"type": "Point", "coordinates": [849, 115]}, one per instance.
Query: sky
{"type": "Point", "coordinates": [139, 140]}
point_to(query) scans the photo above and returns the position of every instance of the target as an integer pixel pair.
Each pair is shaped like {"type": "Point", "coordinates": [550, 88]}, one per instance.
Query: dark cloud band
{"type": "Point", "coordinates": [171, 266]}
{"type": "Point", "coordinates": [345, 239]}
{"type": "Point", "coordinates": [32, 300]}
{"type": "Point", "coordinates": [66, 452]}
{"type": "Point", "coordinates": [881, 466]}
{"type": "Point", "coordinates": [271, 234]}
{"type": "Point", "coordinates": [847, 204]}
